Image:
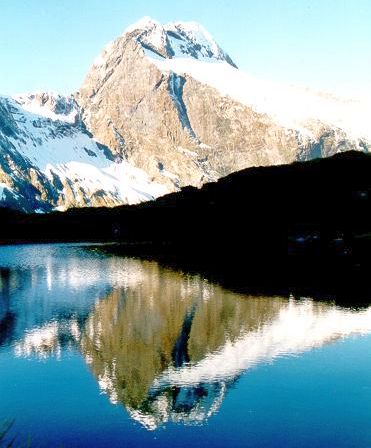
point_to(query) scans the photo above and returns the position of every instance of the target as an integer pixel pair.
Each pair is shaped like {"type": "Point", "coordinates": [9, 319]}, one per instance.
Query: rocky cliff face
{"type": "Point", "coordinates": [162, 107]}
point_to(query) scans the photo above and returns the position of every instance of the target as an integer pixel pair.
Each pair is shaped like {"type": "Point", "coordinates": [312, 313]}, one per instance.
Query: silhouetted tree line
{"type": "Point", "coordinates": [279, 220]}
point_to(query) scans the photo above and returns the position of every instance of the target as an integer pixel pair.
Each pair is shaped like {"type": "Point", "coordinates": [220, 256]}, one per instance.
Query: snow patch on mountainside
{"type": "Point", "coordinates": [49, 105]}
{"type": "Point", "coordinates": [119, 181]}
{"type": "Point", "coordinates": [194, 34]}
{"type": "Point", "coordinates": [65, 152]}
{"type": "Point", "coordinates": [45, 141]}
{"type": "Point", "coordinates": [291, 107]}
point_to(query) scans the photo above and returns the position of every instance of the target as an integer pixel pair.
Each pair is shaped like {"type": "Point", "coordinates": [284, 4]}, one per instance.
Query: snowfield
{"type": "Point", "coordinates": [50, 143]}
{"type": "Point", "coordinates": [290, 106]}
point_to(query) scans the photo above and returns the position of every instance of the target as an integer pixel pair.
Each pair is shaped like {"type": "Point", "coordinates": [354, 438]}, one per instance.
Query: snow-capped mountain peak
{"type": "Point", "coordinates": [145, 22]}
{"type": "Point", "coordinates": [176, 40]}
{"type": "Point", "coordinates": [162, 107]}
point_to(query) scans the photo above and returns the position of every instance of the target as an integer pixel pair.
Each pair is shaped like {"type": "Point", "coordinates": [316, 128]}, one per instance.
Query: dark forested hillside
{"type": "Point", "coordinates": [303, 217]}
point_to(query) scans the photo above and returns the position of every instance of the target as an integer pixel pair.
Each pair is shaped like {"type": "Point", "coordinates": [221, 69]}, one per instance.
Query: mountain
{"type": "Point", "coordinates": [169, 100]}
{"type": "Point", "coordinates": [162, 107]}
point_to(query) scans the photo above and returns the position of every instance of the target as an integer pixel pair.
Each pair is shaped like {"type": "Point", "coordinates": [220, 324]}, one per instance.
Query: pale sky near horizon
{"type": "Point", "coordinates": [323, 44]}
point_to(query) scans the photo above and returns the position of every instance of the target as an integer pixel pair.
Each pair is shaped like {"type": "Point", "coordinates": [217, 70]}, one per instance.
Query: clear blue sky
{"type": "Point", "coordinates": [50, 44]}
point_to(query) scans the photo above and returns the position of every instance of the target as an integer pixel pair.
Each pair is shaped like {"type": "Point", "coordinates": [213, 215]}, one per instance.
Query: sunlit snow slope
{"type": "Point", "coordinates": [50, 161]}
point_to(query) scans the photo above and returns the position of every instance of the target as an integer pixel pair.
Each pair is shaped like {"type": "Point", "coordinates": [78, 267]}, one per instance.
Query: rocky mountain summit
{"type": "Point", "coordinates": [162, 107]}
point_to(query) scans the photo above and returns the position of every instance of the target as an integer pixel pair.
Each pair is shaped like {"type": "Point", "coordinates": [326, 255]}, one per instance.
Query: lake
{"type": "Point", "coordinates": [98, 350]}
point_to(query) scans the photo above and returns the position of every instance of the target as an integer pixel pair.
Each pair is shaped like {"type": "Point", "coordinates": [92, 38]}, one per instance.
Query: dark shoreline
{"type": "Point", "coordinates": [342, 281]}
{"type": "Point", "coordinates": [346, 283]}
{"type": "Point", "coordinates": [302, 229]}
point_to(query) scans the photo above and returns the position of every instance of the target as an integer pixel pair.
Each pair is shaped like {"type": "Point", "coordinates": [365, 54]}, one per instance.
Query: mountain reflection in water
{"type": "Point", "coordinates": [165, 345]}
{"type": "Point", "coordinates": [167, 322]}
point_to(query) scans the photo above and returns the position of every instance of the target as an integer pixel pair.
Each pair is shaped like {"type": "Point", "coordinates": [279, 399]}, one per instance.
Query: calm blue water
{"type": "Point", "coordinates": [105, 351]}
